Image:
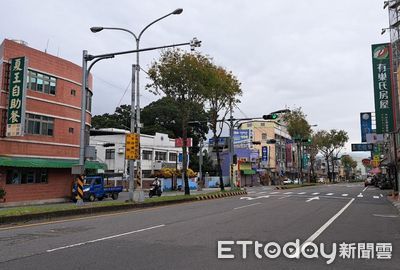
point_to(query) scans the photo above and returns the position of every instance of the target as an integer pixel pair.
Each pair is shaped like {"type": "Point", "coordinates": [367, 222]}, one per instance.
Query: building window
{"type": "Point", "coordinates": [26, 176]}
{"type": "Point", "coordinates": [249, 125]}
{"type": "Point", "coordinates": [41, 83]}
{"type": "Point", "coordinates": [71, 130]}
{"type": "Point", "coordinates": [262, 124]}
{"type": "Point", "coordinates": [73, 92]}
{"type": "Point", "coordinates": [39, 124]}
{"type": "Point", "coordinates": [172, 157]}
{"type": "Point", "coordinates": [161, 155]}
{"type": "Point", "coordinates": [264, 136]}
{"type": "Point", "coordinates": [147, 155]}
{"type": "Point", "coordinates": [146, 173]}
{"type": "Point", "coordinates": [110, 153]}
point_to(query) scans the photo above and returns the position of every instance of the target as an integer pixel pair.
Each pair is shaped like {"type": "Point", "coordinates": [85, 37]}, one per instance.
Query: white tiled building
{"type": "Point", "coordinates": [158, 151]}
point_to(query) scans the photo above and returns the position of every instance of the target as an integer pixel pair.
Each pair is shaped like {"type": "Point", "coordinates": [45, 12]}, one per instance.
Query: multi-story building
{"type": "Point", "coordinates": [157, 151]}
{"type": "Point", "coordinates": [281, 157]}
{"type": "Point", "coordinates": [40, 108]}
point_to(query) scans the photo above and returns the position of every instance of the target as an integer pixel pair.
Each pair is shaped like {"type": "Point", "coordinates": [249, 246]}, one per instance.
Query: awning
{"type": "Point", "coordinates": [248, 172]}
{"type": "Point", "coordinates": [26, 162]}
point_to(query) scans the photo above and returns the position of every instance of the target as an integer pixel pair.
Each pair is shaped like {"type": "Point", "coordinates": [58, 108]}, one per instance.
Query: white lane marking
{"type": "Point", "coordinates": [315, 193]}
{"type": "Point", "coordinates": [286, 193]}
{"type": "Point", "coordinates": [251, 192]}
{"type": "Point", "coordinates": [275, 192]}
{"type": "Point", "coordinates": [301, 193]}
{"type": "Point", "coordinates": [244, 206]}
{"type": "Point", "coordinates": [365, 188]}
{"type": "Point", "coordinates": [345, 195]}
{"type": "Point", "coordinates": [360, 195]}
{"type": "Point", "coordinates": [253, 198]}
{"type": "Point", "coordinates": [313, 198]}
{"type": "Point", "coordinates": [105, 238]}
{"type": "Point", "coordinates": [329, 194]}
{"type": "Point", "coordinates": [376, 197]}
{"type": "Point", "coordinates": [262, 192]}
{"type": "Point", "coordinates": [326, 225]}
{"type": "Point", "coordinates": [283, 197]}
{"type": "Point", "coordinates": [388, 216]}
{"type": "Point", "coordinates": [381, 195]}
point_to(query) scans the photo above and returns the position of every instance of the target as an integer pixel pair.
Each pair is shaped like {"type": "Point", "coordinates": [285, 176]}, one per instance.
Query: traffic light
{"type": "Point", "coordinates": [271, 116]}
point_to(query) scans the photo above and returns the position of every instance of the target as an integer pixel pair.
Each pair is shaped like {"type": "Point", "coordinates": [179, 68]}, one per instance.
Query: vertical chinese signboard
{"type": "Point", "coordinates": [132, 146]}
{"type": "Point", "coordinates": [366, 125]}
{"type": "Point", "coordinates": [382, 88]}
{"type": "Point", "coordinates": [17, 97]}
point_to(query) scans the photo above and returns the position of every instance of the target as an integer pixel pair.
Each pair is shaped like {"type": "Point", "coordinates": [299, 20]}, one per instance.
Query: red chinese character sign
{"type": "Point", "coordinates": [17, 97]}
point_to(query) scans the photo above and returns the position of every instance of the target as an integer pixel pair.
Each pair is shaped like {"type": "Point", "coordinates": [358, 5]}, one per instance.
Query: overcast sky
{"type": "Point", "coordinates": [310, 53]}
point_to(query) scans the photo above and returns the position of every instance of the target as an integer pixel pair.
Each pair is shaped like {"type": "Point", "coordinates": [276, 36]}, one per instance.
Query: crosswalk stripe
{"type": "Point", "coordinates": [376, 197]}
{"type": "Point", "coordinates": [315, 193]}
{"type": "Point", "coordinates": [275, 192]}
{"type": "Point", "coordinates": [344, 195]}
{"type": "Point", "coordinates": [301, 193]}
{"type": "Point", "coordinates": [329, 194]}
{"type": "Point", "coordinates": [288, 193]}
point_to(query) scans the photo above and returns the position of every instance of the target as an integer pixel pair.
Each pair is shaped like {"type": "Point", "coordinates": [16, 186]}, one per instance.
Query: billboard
{"type": "Point", "coordinates": [241, 135]}
{"type": "Point", "coordinates": [264, 151]}
{"type": "Point", "coordinates": [17, 97]}
{"type": "Point", "coordinates": [366, 125]}
{"type": "Point", "coordinates": [382, 87]}
{"type": "Point", "coordinates": [361, 147]}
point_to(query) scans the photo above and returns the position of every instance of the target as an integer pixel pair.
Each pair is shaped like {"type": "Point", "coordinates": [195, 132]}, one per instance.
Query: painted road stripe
{"type": "Point", "coordinates": [105, 238]}
{"type": "Point", "coordinates": [381, 195]}
{"type": "Point", "coordinates": [376, 197]}
{"type": "Point", "coordinates": [365, 188]}
{"type": "Point", "coordinates": [315, 193]}
{"type": "Point", "coordinates": [360, 195]}
{"type": "Point", "coordinates": [301, 193]}
{"type": "Point", "coordinates": [283, 197]}
{"type": "Point", "coordinates": [275, 192]}
{"type": "Point", "coordinates": [244, 206]}
{"type": "Point", "coordinates": [329, 194]}
{"type": "Point", "coordinates": [262, 192]}
{"type": "Point", "coordinates": [286, 193]}
{"type": "Point", "coordinates": [345, 195]}
{"type": "Point", "coordinates": [251, 192]}
{"type": "Point", "coordinates": [326, 225]}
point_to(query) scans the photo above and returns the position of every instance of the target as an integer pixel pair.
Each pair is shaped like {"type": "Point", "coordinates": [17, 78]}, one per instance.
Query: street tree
{"type": "Point", "coordinates": [222, 91]}
{"type": "Point", "coordinates": [183, 77]}
{"type": "Point", "coordinates": [299, 129]}
{"type": "Point", "coordinates": [349, 164]}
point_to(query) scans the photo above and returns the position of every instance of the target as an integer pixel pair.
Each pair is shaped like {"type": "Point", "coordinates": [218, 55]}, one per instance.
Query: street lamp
{"type": "Point", "coordinates": [135, 123]}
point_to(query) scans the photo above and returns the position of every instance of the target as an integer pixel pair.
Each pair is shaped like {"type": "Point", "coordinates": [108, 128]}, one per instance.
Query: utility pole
{"type": "Point", "coordinates": [231, 147]}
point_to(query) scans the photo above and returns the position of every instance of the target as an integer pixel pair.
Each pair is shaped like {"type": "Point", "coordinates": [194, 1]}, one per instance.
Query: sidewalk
{"type": "Point", "coordinates": [395, 200]}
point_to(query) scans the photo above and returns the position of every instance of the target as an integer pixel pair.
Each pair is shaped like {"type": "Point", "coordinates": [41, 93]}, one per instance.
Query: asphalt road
{"type": "Point", "coordinates": [186, 236]}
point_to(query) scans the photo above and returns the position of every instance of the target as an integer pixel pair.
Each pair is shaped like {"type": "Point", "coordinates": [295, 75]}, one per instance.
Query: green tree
{"type": "Point", "coordinates": [299, 129]}
{"type": "Point", "coordinates": [183, 77]}
{"type": "Point", "coordinates": [222, 91]}
{"type": "Point", "coordinates": [349, 164]}
{"type": "Point", "coordinates": [121, 118]}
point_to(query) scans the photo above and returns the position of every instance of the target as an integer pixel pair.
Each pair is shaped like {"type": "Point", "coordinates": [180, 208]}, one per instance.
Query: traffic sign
{"type": "Point", "coordinates": [132, 146]}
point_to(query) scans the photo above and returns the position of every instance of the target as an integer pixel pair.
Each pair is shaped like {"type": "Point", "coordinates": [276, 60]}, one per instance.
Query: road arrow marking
{"type": "Point", "coordinates": [313, 198]}
{"type": "Point", "coordinates": [360, 195]}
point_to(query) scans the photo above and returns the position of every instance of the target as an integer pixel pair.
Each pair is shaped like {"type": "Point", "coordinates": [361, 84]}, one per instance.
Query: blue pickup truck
{"type": "Point", "coordinates": [93, 188]}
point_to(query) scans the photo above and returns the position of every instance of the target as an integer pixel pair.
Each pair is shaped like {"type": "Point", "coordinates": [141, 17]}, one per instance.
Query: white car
{"type": "Point", "coordinates": [287, 181]}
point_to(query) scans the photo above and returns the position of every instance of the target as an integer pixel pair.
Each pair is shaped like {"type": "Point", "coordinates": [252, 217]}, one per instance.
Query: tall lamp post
{"type": "Point", "coordinates": [137, 194]}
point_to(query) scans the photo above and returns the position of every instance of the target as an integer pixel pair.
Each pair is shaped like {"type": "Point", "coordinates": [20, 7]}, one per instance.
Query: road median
{"type": "Point", "coordinates": [26, 214]}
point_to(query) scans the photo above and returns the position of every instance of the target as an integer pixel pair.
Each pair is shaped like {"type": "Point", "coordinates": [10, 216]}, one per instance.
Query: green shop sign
{"type": "Point", "coordinates": [17, 97]}
{"type": "Point", "coordinates": [382, 88]}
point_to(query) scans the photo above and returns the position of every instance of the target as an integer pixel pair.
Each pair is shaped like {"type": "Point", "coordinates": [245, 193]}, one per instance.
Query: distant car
{"type": "Point", "coordinates": [368, 181]}
{"type": "Point", "coordinates": [321, 180]}
{"type": "Point", "coordinates": [287, 181]}
{"type": "Point", "coordinates": [296, 181]}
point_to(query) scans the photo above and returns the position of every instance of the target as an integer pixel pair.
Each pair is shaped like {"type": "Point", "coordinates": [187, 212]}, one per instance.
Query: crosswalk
{"type": "Point", "coordinates": [288, 194]}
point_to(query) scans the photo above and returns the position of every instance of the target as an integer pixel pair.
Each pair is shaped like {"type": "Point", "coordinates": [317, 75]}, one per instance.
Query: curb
{"type": "Point", "coordinates": [221, 195]}
{"type": "Point", "coordinates": [396, 203]}
{"type": "Point", "coordinates": [106, 209]}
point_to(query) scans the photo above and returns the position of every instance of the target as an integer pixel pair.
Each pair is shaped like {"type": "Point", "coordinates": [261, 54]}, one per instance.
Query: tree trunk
{"type": "Point", "coordinates": [333, 169]}
{"type": "Point", "coordinates": [329, 171]}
